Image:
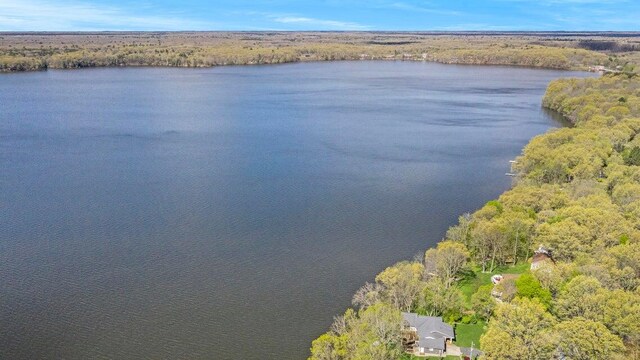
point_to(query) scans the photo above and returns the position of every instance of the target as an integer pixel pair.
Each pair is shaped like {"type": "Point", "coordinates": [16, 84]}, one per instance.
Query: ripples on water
{"type": "Point", "coordinates": [231, 212]}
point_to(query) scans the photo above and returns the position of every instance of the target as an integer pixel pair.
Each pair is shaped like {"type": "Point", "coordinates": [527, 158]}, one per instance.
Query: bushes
{"type": "Point", "coordinates": [529, 287]}
{"type": "Point", "coordinates": [632, 157]}
{"type": "Point", "coordinates": [483, 302]}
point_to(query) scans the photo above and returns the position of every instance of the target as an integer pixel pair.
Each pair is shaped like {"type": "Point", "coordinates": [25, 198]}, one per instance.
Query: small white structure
{"type": "Point", "coordinates": [495, 279]}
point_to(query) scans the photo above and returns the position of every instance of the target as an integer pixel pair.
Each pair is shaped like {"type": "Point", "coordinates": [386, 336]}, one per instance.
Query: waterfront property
{"type": "Point", "coordinates": [426, 335]}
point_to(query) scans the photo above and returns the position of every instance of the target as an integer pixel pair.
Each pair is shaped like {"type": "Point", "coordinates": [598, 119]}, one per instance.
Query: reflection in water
{"type": "Point", "coordinates": [231, 212]}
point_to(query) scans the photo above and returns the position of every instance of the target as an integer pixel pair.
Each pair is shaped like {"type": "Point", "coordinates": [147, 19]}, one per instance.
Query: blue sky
{"type": "Point", "coordinates": [72, 15]}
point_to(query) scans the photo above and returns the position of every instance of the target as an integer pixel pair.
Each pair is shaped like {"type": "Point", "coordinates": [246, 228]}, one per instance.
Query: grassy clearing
{"type": "Point", "coordinates": [470, 285]}
{"type": "Point", "coordinates": [468, 334]}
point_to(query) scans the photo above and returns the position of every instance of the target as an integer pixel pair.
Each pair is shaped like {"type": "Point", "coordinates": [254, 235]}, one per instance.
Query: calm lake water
{"type": "Point", "coordinates": [232, 212]}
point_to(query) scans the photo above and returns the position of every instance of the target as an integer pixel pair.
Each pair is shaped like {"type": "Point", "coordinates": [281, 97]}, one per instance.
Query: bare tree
{"type": "Point", "coordinates": [367, 295]}
{"type": "Point", "coordinates": [430, 264]}
{"type": "Point", "coordinates": [341, 323]}
{"type": "Point", "coordinates": [462, 231]}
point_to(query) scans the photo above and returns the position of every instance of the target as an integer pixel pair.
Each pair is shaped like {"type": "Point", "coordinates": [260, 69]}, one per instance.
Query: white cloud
{"type": "Point", "coordinates": [78, 15]}
{"type": "Point", "coordinates": [319, 24]}
{"type": "Point", "coordinates": [416, 8]}
{"type": "Point", "coordinates": [37, 15]}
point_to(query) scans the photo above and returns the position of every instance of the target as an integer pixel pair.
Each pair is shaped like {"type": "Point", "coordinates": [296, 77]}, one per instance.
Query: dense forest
{"type": "Point", "coordinates": [577, 193]}
{"type": "Point", "coordinates": [41, 51]}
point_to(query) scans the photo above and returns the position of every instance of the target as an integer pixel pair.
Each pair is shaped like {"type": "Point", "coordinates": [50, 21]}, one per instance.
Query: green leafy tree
{"type": "Point", "coordinates": [329, 346]}
{"type": "Point", "coordinates": [583, 296]}
{"type": "Point", "coordinates": [529, 287]}
{"type": "Point", "coordinates": [582, 339]}
{"type": "Point", "coordinates": [519, 330]}
{"type": "Point", "coordinates": [633, 157]}
{"type": "Point", "coordinates": [446, 261]}
{"type": "Point", "coordinates": [483, 303]}
{"type": "Point", "coordinates": [401, 283]}
{"type": "Point", "coordinates": [624, 261]}
{"type": "Point", "coordinates": [519, 225]}
{"type": "Point", "coordinates": [372, 333]}
{"type": "Point", "coordinates": [440, 300]}
{"type": "Point", "coordinates": [566, 237]}
{"type": "Point", "coordinates": [553, 278]}
{"type": "Point", "coordinates": [489, 241]}
{"type": "Point", "coordinates": [377, 334]}
{"type": "Point", "coordinates": [622, 315]}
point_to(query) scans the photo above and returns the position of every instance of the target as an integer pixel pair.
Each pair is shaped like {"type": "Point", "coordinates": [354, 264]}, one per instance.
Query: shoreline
{"type": "Point", "coordinates": [567, 181]}
{"type": "Point", "coordinates": [579, 69]}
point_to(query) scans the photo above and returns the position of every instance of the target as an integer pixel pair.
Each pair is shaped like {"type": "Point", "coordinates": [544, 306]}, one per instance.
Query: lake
{"type": "Point", "coordinates": [230, 213]}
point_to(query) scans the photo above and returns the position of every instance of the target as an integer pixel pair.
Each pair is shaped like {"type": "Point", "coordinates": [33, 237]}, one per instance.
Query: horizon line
{"type": "Point", "coordinates": [325, 31]}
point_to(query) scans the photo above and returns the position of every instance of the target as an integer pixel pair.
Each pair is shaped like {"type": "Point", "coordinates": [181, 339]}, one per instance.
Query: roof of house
{"type": "Point", "coordinates": [540, 257]}
{"type": "Point", "coordinates": [432, 331]}
{"type": "Point", "coordinates": [542, 254]}
{"type": "Point", "coordinates": [437, 344]}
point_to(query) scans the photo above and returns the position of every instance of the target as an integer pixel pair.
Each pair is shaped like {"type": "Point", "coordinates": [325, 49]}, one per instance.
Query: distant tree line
{"type": "Point", "coordinates": [611, 46]}
{"type": "Point", "coordinates": [33, 52]}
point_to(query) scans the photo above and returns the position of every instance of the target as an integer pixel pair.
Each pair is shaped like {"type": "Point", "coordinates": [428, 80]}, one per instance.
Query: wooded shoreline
{"type": "Point", "coordinates": [577, 196]}
{"type": "Point", "coordinates": [577, 51]}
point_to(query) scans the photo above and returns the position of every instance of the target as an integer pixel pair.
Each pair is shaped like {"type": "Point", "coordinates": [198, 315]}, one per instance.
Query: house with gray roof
{"type": "Point", "coordinates": [426, 335]}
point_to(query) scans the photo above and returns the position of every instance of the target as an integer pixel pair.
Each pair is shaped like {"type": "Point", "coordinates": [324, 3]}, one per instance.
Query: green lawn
{"type": "Point", "coordinates": [470, 285]}
{"type": "Point", "coordinates": [466, 334]}
{"type": "Point", "coordinates": [469, 333]}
